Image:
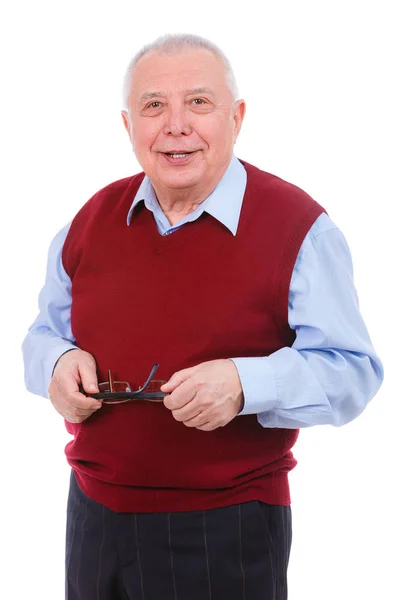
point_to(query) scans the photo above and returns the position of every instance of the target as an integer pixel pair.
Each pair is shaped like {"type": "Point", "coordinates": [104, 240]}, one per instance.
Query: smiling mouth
{"type": "Point", "coordinates": [178, 154]}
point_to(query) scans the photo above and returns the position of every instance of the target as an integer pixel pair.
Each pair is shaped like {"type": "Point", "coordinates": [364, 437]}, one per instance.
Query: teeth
{"type": "Point", "coordinates": [182, 155]}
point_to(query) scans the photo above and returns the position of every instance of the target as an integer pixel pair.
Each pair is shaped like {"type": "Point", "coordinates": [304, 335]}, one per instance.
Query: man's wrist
{"type": "Point", "coordinates": [61, 355]}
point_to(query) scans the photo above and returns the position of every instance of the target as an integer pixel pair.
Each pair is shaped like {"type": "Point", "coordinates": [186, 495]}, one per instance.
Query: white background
{"type": "Point", "coordinates": [320, 81]}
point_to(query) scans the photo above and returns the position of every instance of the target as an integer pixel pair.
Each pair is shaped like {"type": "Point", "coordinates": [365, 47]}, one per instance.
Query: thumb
{"type": "Point", "coordinates": [176, 380]}
{"type": "Point", "coordinates": [88, 377]}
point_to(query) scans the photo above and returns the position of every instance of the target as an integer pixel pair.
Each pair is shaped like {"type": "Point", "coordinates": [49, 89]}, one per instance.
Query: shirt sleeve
{"type": "Point", "coordinates": [331, 371]}
{"type": "Point", "coordinates": [50, 334]}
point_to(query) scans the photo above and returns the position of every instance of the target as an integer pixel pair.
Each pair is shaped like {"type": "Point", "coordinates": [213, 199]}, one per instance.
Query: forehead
{"type": "Point", "coordinates": [195, 68]}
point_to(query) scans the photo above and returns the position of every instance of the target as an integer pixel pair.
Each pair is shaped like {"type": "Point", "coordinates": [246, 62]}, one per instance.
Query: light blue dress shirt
{"type": "Point", "coordinates": [329, 374]}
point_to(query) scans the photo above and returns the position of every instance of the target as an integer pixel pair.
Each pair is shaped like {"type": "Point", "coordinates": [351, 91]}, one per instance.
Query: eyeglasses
{"type": "Point", "coordinates": [118, 392]}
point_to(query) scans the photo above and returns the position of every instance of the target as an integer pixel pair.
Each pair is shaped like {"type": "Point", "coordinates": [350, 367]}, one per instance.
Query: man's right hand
{"type": "Point", "coordinates": [73, 369]}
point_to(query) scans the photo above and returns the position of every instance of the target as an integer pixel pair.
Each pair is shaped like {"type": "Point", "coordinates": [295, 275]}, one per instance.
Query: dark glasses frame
{"type": "Point", "coordinates": [126, 396]}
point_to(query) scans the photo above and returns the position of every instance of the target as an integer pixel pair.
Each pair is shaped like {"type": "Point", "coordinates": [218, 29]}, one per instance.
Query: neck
{"type": "Point", "coordinates": [177, 203]}
{"type": "Point", "coordinates": [180, 203]}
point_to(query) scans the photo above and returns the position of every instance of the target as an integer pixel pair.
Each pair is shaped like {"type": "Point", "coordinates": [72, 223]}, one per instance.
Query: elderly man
{"type": "Point", "coordinates": [239, 286]}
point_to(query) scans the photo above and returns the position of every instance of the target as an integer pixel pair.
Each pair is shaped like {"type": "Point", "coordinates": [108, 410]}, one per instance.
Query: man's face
{"type": "Point", "coordinates": [182, 120]}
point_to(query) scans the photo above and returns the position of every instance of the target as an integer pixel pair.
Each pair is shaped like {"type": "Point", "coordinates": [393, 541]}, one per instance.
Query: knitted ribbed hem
{"type": "Point", "coordinates": [272, 489]}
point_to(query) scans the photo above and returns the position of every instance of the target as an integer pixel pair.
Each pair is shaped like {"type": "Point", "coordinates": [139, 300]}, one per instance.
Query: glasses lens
{"type": "Point", "coordinates": [152, 391]}
{"type": "Point", "coordinates": [117, 387]}
{"type": "Point", "coordinates": [154, 386]}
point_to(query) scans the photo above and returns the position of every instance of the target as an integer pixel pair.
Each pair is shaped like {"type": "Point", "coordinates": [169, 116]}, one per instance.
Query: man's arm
{"type": "Point", "coordinates": [54, 366]}
{"type": "Point", "coordinates": [332, 370]}
{"type": "Point", "coordinates": [50, 334]}
{"type": "Point", "coordinates": [327, 377]}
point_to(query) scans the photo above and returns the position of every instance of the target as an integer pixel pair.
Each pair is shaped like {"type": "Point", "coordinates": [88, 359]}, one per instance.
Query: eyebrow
{"type": "Point", "coordinates": [199, 90]}
{"type": "Point", "coordinates": [149, 95]}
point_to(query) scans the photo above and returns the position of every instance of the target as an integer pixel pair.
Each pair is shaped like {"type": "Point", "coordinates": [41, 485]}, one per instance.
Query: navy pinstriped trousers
{"type": "Point", "coordinates": [239, 552]}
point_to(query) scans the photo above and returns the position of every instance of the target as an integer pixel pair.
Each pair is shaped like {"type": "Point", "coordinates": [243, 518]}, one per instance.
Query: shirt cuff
{"type": "Point", "coordinates": [258, 384]}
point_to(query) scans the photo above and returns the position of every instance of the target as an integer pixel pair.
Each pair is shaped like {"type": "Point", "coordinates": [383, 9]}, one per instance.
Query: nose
{"type": "Point", "coordinates": [177, 121]}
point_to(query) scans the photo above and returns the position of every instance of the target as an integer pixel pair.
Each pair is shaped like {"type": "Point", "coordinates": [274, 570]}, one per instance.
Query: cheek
{"type": "Point", "coordinates": [144, 135]}
{"type": "Point", "coordinates": [217, 133]}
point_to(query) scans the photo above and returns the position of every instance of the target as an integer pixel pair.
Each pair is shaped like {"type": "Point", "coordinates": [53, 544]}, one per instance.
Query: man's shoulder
{"type": "Point", "coordinates": [116, 194]}
{"type": "Point", "coordinates": [115, 197]}
{"type": "Point", "coordinates": [266, 186]}
{"type": "Point", "coordinates": [262, 178]}
{"type": "Point", "coordinates": [120, 186]}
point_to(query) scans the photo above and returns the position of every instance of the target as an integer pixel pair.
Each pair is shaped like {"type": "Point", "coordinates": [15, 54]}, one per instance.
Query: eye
{"type": "Point", "coordinates": [155, 104]}
{"type": "Point", "coordinates": [198, 101]}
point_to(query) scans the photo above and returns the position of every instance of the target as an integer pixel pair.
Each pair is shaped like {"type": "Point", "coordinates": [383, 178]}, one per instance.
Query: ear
{"type": "Point", "coordinates": [127, 124]}
{"type": "Point", "coordinates": [238, 116]}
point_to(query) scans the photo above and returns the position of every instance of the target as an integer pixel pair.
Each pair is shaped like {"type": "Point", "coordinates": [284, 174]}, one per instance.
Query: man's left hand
{"type": "Point", "coordinates": [206, 396]}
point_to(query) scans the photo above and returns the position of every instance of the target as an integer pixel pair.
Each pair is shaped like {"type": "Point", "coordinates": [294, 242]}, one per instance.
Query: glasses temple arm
{"type": "Point", "coordinates": [150, 377]}
{"type": "Point", "coordinates": [110, 381]}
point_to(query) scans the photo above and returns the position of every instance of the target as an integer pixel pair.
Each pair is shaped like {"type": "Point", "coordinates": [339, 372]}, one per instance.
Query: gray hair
{"type": "Point", "coordinates": [175, 43]}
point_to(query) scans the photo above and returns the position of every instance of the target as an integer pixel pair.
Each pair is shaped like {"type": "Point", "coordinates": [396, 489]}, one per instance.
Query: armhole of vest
{"type": "Point", "coordinates": [69, 244]}
{"type": "Point", "coordinates": [288, 261]}
{"type": "Point", "coordinates": [61, 254]}
{"type": "Point", "coordinates": [87, 215]}
{"type": "Point", "coordinates": [64, 250]}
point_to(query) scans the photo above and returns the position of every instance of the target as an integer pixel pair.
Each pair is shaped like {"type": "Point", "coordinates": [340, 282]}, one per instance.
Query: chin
{"type": "Point", "coordinates": [181, 177]}
{"type": "Point", "coordinates": [181, 182]}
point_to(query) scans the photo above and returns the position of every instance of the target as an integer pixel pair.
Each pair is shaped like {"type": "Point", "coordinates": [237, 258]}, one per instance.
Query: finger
{"type": "Point", "coordinates": [208, 427]}
{"type": "Point", "coordinates": [177, 379]}
{"type": "Point", "coordinates": [88, 376]}
{"type": "Point", "coordinates": [72, 418]}
{"type": "Point", "coordinates": [181, 396]}
{"type": "Point", "coordinates": [198, 421]}
{"type": "Point", "coordinates": [188, 412]}
{"type": "Point", "coordinates": [69, 390]}
{"type": "Point", "coordinates": [69, 412]}
{"type": "Point", "coordinates": [76, 414]}
{"type": "Point", "coordinates": [83, 403]}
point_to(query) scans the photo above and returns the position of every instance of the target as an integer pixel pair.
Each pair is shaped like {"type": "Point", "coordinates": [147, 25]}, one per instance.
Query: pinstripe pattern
{"type": "Point", "coordinates": [237, 552]}
{"type": "Point", "coordinates": [138, 557]}
{"type": "Point", "coordinates": [206, 553]}
{"type": "Point", "coordinates": [101, 549]}
{"type": "Point", "coordinates": [171, 555]}
{"type": "Point", "coordinates": [272, 566]}
{"type": "Point", "coordinates": [80, 546]}
{"type": "Point", "coordinates": [71, 531]}
{"type": "Point", "coordinates": [241, 552]}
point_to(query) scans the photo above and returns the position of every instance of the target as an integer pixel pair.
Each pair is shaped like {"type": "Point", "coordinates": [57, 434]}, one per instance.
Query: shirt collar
{"type": "Point", "coordinates": [224, 203]}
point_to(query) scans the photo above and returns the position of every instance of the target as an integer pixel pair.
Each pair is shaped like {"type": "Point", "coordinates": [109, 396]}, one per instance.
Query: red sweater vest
{"type": "Point", "coordinates": [198, 294]}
